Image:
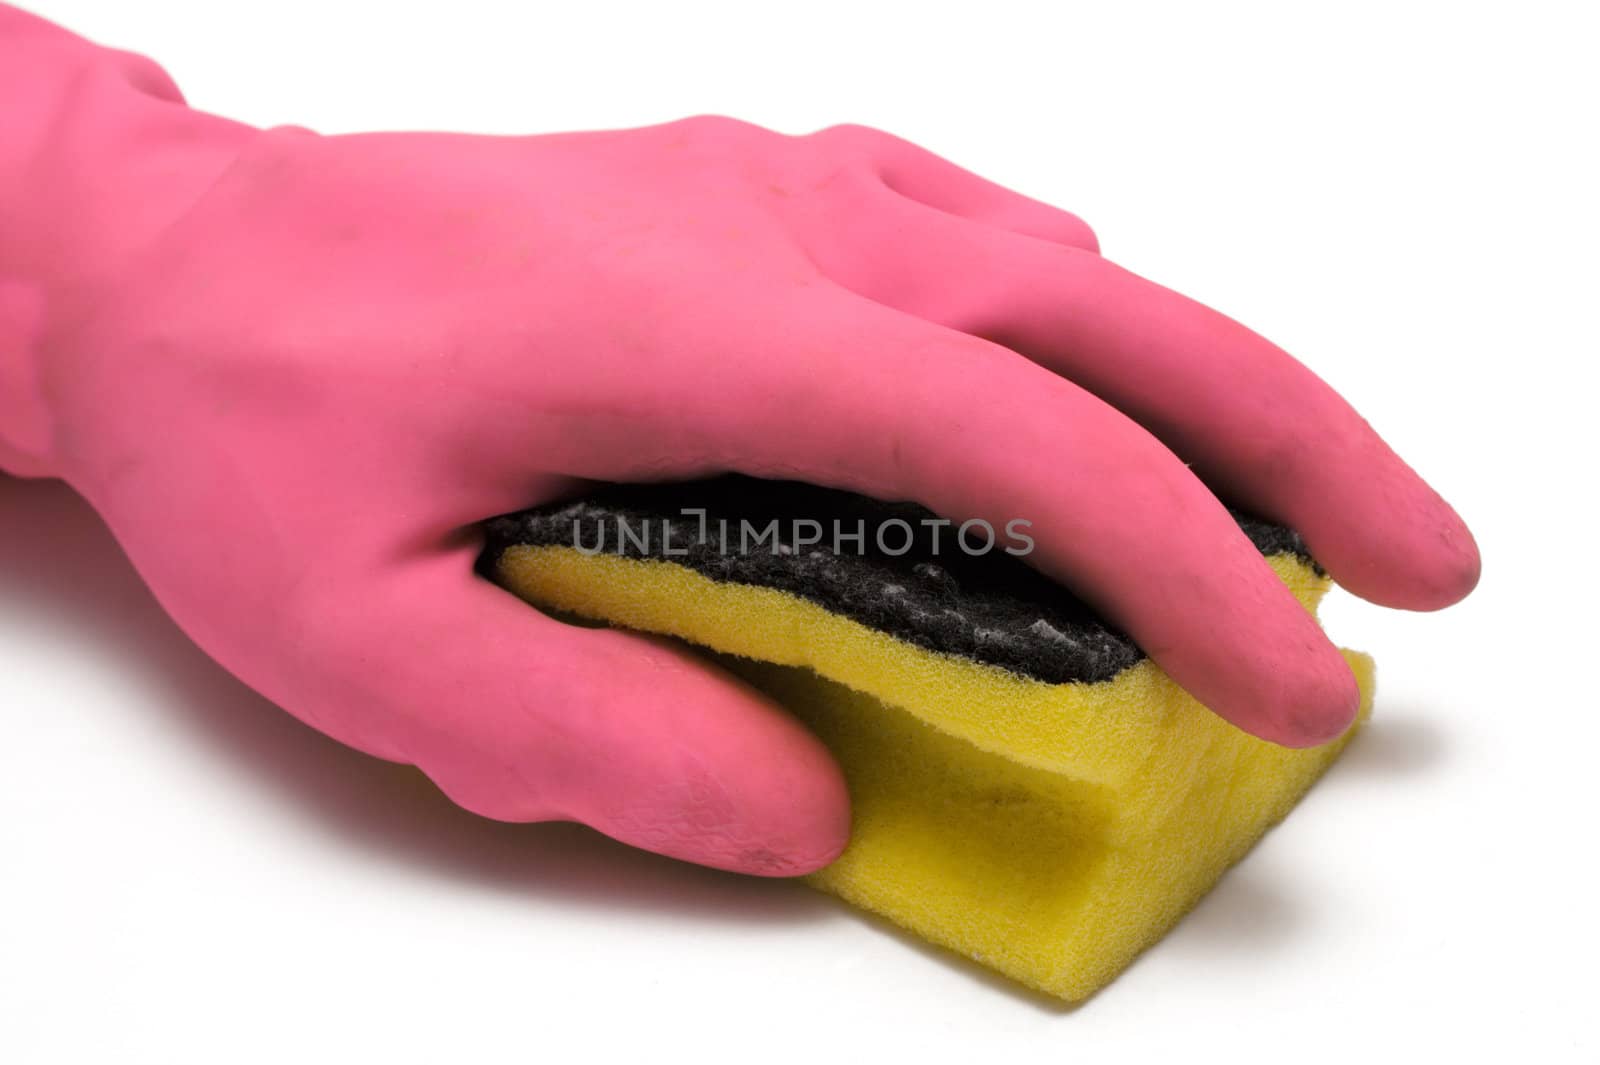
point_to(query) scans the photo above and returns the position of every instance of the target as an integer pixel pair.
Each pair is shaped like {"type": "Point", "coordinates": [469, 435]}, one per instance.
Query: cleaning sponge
{"type": "Point", "coordinates": [1028, 788]}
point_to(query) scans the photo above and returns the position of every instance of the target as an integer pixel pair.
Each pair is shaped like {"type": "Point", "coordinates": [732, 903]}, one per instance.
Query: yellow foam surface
{"type": "Point", "coordinates": [1048, 831]}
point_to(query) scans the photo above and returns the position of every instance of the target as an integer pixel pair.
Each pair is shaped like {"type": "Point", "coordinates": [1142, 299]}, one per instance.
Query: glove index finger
{"type": "Point", "coordinates": [862, 397]}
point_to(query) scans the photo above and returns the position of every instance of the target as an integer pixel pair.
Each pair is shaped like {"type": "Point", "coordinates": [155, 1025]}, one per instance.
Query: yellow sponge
{"type": "Point", "coordinates": [1050, 831]}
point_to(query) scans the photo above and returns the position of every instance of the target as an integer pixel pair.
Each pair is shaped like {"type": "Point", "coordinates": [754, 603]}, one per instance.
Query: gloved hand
{"type": "Point", "coordinates": [293, 371]}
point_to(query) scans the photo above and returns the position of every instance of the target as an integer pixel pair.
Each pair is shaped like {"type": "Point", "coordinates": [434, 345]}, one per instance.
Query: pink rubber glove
{"type": "Point", "coordinates": [293, 371]}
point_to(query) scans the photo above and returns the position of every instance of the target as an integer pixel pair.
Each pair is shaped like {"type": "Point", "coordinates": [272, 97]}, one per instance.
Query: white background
{"type": "Point", "coordinates": [1402, 195]}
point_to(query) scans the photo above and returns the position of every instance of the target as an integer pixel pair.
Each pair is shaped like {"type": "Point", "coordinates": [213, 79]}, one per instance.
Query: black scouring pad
{"type": "Point", "coordinates": [891, 566]}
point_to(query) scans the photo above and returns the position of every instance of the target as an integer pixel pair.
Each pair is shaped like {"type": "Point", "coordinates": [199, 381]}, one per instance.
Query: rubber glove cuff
{"type": "Point", "coordinates": [98, 154]}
